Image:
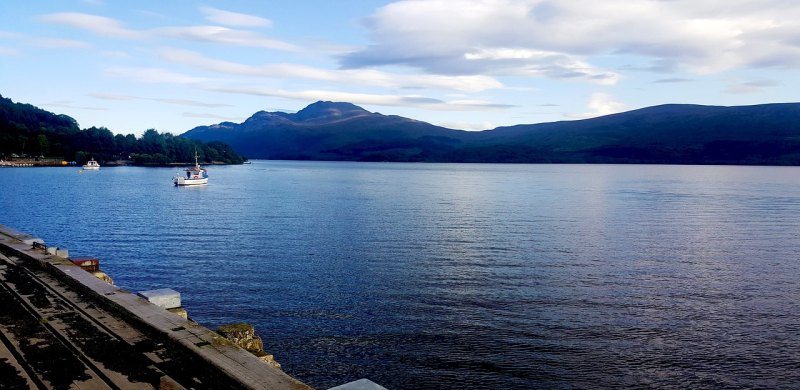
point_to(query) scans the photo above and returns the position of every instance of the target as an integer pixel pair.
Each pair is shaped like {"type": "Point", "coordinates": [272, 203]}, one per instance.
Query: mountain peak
{"type": "Point", "coordinates": [329, 111]}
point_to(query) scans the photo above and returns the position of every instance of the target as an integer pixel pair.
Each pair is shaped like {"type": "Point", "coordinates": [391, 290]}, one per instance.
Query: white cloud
{"type": "Point", "coordinates": [524, 62]}
{"type": "Point", "coordinates": [600, 104]}
{"type": "Point", "coordinates": [157, 75]}
{"type": "Point", "coordinates": [10, 35]}
{"type": "Point", "coordinates": [116, 54]}
{"type": "Point", "coordinates": [367, 77]}
{"type": "Point", "coordinates": [415, 101]}
{"type": "Point", "coordinates": [183, 102]}
{"type": "Point", "coordinates": [469, 126]}
{"type": "Point", "coordinates": [670, 80]}
{"type": "Point", "coordinates": [153, 76]}
{"type": "Point", "coordinates": [109, 27]}
{"type": "Point", "coordinates": [59, 43]}
{"type": "Point", "coordinates": [517, 36]}
{"type": "Point", "coordinates": [8, 51]}
{"type": "Point", "coordinates": [189, 102]}
{"type": "Point", "coordinates": [224, 35]}
{"type": "Point", "coordinates": [151, 14]}
{"type": "Point", "coordinates": [229, 18]}
{"type": "Point", "coordinates": [97, 24]}
{"type": "Point", "coordinates": [72, 105]}
{"type": "Point", "coordinates": [748, 87]}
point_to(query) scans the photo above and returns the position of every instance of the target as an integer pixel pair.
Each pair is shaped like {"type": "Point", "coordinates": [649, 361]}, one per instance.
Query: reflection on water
{"type": "Point", "coordinates": [459, 276]}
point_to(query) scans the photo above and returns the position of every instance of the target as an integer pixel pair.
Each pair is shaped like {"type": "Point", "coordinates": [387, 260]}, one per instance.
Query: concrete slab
{"type": "Point", "coordinates": [86, 279]}
{"type": "Point", "coordinates": [30, 241]}
{"type": "Point", "coordinates": [166, 298]}
{"type": "Point", "coordinates": [361, 384]}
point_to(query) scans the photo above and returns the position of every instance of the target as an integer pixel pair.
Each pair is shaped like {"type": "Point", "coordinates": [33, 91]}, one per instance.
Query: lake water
{"type": "Point", "coordinates": [458, 276]}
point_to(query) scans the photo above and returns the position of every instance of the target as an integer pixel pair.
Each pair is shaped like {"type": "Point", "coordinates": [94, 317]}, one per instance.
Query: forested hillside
{"type": "Point", "coordinates": [28, 131]}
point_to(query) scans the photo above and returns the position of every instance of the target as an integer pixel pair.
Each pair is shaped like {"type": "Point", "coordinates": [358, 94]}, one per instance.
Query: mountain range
{"type": "Point", "coordinates": [767, 134]}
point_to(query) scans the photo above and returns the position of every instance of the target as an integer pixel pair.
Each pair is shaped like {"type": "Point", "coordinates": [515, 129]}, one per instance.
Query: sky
{"type": "Point", "coordinates": [465, 64]}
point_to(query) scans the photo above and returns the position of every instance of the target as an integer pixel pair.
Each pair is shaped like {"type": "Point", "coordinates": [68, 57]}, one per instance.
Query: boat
{"type": "Point", "coordinates": [91, 165]}
{"type": "Point", "coordinates": [194, 176]}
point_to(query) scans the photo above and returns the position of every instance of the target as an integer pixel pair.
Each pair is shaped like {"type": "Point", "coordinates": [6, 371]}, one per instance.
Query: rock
{"type": "Point", "coordinates": [180, 312]}
{"type": "Point", "coordinates": [243, 335]}
{"type": "Point", "coordinates": [269, 359]}
{"type": "Point", "coordinates": [102, 276]}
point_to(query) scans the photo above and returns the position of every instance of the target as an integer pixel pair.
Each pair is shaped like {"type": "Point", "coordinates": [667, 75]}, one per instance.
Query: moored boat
{"type": "Point", "coordinates": [193, 176]}
{"type": "Point", "coordinates": [91, 165]}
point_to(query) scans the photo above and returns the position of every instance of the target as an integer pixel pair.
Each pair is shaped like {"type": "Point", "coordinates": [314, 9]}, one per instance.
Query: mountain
{"type": "Point", "coordinates": [672, 133]}
{"type": "Point", "coordinates": [331, 131]}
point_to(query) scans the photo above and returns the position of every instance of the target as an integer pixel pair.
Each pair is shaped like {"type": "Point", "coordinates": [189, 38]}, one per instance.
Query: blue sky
{"type": "Point", "coordinates": [173, 65]}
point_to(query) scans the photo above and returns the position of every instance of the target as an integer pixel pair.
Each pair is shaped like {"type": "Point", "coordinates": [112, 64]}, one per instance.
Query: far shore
{"type": "Point", "coordinates": [51, 162]}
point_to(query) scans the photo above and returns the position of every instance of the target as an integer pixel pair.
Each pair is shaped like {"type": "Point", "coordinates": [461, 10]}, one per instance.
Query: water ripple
{"type": "Point", "coordinates": [459, 276]}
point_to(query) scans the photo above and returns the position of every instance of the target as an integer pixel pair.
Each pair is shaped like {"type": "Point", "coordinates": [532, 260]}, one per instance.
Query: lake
{"type": "Point", "coordinates": [458, 275]}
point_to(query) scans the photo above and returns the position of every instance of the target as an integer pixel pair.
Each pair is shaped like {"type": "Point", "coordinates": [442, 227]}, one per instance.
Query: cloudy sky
{"type": "Point", "coordinates": [468, 64]}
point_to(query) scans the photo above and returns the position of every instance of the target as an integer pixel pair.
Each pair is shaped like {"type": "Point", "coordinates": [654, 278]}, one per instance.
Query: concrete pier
{"type": "Point", "coordinates": [61, 327]}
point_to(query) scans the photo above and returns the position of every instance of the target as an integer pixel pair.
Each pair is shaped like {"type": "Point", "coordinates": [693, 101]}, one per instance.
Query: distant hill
{"type": "Point", "coordinates": [21, 124]}
{"type": "Point", "coordinates": [767, 134]}
{"type": "Point", "coordinates": [27, 131]}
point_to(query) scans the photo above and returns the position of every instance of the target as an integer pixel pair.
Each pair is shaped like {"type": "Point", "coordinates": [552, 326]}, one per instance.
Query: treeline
{"type": "Point", "coordinates": [26, 130]}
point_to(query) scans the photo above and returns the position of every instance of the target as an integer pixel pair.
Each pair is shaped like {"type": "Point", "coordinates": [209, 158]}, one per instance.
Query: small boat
{"type": "Point", "coordinates": [194, 176]}
{"type": "Point", "coordinates": [91, 165]}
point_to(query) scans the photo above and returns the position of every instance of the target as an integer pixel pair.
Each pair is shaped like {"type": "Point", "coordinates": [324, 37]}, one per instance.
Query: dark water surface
{"type": "Point", "coordinates": [458, 276]}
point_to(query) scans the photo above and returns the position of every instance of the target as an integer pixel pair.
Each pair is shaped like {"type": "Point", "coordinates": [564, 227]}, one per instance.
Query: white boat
{"type": "Point", "coordinates": [193, 176]}
{"type": "Point", "coordinates": [91, 165]}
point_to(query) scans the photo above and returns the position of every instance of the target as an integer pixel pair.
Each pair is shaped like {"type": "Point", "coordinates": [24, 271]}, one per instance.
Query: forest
{"type": "Point", "coordinates": [28, 131]}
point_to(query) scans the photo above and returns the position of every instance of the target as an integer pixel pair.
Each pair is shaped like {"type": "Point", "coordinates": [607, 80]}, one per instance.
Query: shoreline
{"type": "Point", "coordinates": [27, 163]}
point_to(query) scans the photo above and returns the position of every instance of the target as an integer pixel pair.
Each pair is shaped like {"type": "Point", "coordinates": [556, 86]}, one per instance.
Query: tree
{"type": "Point", "coordinates": [81, 157]}
{"type": "Point", "coordinates": [22, 141]}
{"type": "Point", "coordinates": [152, 142]}
{"type": "Point", "coordinates": [43, 144]}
